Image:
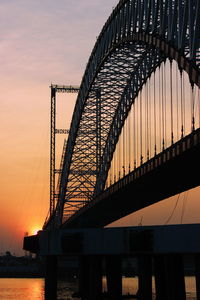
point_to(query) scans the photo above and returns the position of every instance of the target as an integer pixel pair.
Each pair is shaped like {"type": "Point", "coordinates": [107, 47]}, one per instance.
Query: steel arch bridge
{"type": "Point", "coordinates": [136, 39]}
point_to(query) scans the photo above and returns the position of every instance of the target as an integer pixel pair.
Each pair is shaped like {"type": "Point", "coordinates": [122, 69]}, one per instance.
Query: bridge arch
{"type": "Point", "coordinates": [138, 36]}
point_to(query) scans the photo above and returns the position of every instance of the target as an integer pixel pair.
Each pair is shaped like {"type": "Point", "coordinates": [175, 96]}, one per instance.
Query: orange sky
{"type": "Point", "coordinates": [41, 43]}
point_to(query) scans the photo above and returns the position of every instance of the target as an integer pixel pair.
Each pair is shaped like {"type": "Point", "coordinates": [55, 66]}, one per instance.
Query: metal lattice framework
{"type": "Point", "coordinates": [138, 36]}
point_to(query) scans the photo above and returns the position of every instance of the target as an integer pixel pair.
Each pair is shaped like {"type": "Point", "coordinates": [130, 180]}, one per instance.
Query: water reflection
{"type": "Point", "coordinates": [66, 290]}
{"type": "Point", "coordinates": [33, 289]}
{"type": "Point", "coordinates": [21, 289]}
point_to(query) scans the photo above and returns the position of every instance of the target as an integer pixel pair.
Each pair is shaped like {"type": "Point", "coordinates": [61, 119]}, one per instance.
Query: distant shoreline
{"type": "Point", "coordinates": [20, 267]}
{"type": "Point", "coordinates": [20, 275]}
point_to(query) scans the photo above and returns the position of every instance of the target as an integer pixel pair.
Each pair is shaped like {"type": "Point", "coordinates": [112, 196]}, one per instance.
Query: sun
{"type": "Point", "coordinates": [35, 230]}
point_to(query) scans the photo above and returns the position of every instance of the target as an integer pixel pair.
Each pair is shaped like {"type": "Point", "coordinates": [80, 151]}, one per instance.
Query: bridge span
{"type": "Point", "coordinates": [134, 140]}
{"type": "Point", "coordinates": [169, 173]}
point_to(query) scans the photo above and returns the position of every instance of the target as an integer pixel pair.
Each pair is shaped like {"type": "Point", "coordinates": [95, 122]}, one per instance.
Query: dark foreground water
{"type": "Point", "coordinates": [33, 289]}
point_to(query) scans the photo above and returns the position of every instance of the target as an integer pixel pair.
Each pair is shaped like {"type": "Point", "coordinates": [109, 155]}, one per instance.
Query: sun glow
{"type": "Point", "coordinates": [34, 230]}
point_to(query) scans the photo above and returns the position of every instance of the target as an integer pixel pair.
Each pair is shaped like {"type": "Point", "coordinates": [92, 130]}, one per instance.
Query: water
{"type": "Point", "coordinates": [33, 289]}
{"type": "Point", "coordinates": [21, 289]}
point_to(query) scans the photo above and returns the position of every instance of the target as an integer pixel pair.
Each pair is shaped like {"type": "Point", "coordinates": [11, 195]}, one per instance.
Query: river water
{"type": "Point", "coordinates": [33, 289]}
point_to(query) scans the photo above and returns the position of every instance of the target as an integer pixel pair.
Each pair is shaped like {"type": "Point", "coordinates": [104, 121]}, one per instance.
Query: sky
{"type": "Point", "coordinates": [44, 42]}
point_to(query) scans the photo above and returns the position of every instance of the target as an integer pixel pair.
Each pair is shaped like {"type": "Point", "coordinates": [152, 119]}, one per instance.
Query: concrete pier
{"type": "Point", "coordinates": [51, 277]}
{"type": "Point", "coordinates": [114, 276]}
{"type": "Point", "coordinates": [175, 277]}
{"type": "Point", "coordinates": [169, 277]}
{"type": "Point", "coordinates": [144, 277]}
{"type": "Point", "coordinates": [90, 277]}
{"type": "Point", "coordinates": [160, 277]}
{"type": "Point", "coordinates": [160, 251]}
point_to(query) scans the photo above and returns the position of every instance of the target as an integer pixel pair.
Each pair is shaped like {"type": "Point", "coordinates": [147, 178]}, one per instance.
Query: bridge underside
{"type": "Point", "coordinates": [167, 174]}
{"type": "Point", "coordinates": [117, 241]}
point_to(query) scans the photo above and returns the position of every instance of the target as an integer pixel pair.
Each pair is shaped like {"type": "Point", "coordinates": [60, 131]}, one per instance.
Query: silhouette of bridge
{"type": "Point", "coordinates": [134, 137]}
{"type": "Point", "coordinates": [124, 104]}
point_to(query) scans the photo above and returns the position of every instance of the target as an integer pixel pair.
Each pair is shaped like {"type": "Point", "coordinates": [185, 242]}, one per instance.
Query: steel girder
{"type": "Point", "coordinates": [137, 37]}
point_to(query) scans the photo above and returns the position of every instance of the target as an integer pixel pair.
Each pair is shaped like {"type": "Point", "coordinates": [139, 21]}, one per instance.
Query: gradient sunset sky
{"type": "Point", "coordinates": [44, 42]}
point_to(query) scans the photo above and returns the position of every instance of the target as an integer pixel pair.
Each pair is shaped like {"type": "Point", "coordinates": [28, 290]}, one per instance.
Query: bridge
{"type": "Point", "coordinates": [134, 140]}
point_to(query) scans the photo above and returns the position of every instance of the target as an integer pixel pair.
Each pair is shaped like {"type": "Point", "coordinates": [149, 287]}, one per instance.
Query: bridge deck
{"type": "Point", "coordinates": [168, 173]}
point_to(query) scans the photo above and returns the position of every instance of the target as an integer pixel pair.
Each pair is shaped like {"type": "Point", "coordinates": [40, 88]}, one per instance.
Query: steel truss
{"type": "Point", "coordinates": [137, 37]}
{"type": "Point", "coordinates": [53, 131]}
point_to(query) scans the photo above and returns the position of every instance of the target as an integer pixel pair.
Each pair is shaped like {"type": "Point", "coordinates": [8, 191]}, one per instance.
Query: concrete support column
{"type": "Point", "coordinates": [51, 277]}
{"type": "Point", "coordinates": [114, 276]}
{"type": "Point", "coordinates": [197, 274]}
{"type": "Point", "coordinates": [90, 278]}
{"type": "Point", "coordinates": [160, 277]}
{"type": "Point", "coordinates": [144, 277]}
{"type": "Point", "coordinates": [175, 277]}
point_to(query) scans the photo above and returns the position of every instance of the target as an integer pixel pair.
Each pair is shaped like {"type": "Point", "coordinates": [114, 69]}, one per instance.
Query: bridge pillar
{"type": "Point", "coordinates": [90, 277]}
{"type": "Point", "coordinates": [197, 275]}
{"type": "Point", "coordinates": [174, 277]}
{"type": "Point", "coordinates": [160, 277]}
{"type": "Point", "coordinates": [114, 276]}
{"type": "Point", "coordinates": [51, 277]}
{"type": "Point", "coordinates": [144, 277]}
